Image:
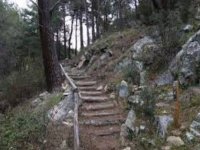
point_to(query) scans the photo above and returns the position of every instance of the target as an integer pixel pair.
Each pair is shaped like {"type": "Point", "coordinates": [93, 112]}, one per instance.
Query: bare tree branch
{"type": "Point", "coordinates": [34, 3]}
{"type": "Point", "coordinates": [54, 6]}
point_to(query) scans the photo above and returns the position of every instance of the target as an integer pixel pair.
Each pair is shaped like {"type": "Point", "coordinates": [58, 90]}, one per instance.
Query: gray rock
{"type": "Point", "coordinates": [136, 99]}
{"type": "Point", "coordinates": [195, 126]}
{"type": "Point", "coordinates": [123, 134]}
{"type": "Point", "coordinates": [164, 79]}
{"type": "Point", "coordinates": [166, 96]}
{"type": "Point", "coordinates": [175, 141]}
{"type": "Point", "coordinates": [143, 77]}
{"type": "Point", "coordinates": [123, 89]}
{"type": "Point", "coordinates": [163, 122]}
{"type": "Point", "coordinates": [145, 50]}
{"type": "Point", "coordinates": [63, 146]}
{"type": "Point", "coordinates": [124, 131]}
{"type": "Point", "coordinates": [126, 62]}
{"type": "Point", "coordinates": [189, 136]}
{"type": "Point", "coordinates": [130, 121]}
{"type": "Point", "coordinates": [44, 95]}
{"type": "Point", "coordinates": [186, 63]}
{"type": "Point", "coordinates": [63, 110]}
{"type": "Point", "coordinates": [188, 28]}
{"type": "Point", "coordinates": [36, 102]}
{"type": "Point", "coordinates": [127, 148]}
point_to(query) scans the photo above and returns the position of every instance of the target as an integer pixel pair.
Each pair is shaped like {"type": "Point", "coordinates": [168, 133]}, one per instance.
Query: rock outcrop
{"type": "Point", "coordinates": [185, 65]}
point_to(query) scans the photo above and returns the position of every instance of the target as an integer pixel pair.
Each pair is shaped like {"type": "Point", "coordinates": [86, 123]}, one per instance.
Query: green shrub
{"type": "Point", "coordinates": [131, 75]}
{"type": "Point", "coordinates": [22, 84]}
{"type": "Point", "coordinates": [22, 130]}
{"type": "Point", "coordinates": [149, 97]}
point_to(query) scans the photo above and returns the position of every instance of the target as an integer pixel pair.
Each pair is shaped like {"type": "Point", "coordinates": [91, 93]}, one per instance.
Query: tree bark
{"type": "Point", "coordinates": [87, 22]}
{"type": "Point", "coordinates": [50, 60]}
{"type": "Point", "coordinates": [64, 33]}
{"type": "Point", "coordinates": [58, 44]}
{"type": "Point", "coordinates": [70, 37]}
{"type": "Point", "coordinates": [97, 20]}
{"type": "Point", "coordinates": [93, 21]}
{"type": "Point", "coordinates": [81, 28]}
{"type": "Point", "coordinates": [76, 36]}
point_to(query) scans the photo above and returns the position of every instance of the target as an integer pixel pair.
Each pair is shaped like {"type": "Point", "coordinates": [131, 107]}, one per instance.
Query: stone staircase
{"type": "Point", "coordinates": [100, 118]}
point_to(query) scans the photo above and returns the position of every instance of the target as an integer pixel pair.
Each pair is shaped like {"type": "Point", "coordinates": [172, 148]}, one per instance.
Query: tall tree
{"type": "Point", "coordinates": [64, 31]}
{"type": "Point", "coordinates": [81, 8]}
{"type": "Point", "coordinates": [87, 21]}
{"type": "Point", "coordinates": [50, 60]}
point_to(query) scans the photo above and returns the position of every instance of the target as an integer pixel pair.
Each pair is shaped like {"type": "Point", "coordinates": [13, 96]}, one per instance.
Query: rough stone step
{"type": "Point", "coordinates": [87, 88]}
{"type": "Point", "coordinates": [86, 83]}
{"type": "Point", "coordinates": [80, 77]}
{"type": "Point", "coordinates": [91, 93]}
{"type": "Point", "coordinates": [104, 130]}
{"type": "Point", "coordinates": [103, 122]}
{"type": "Point", "coordinates": [106, 105]}
{"type": "Point", "coordinates": [100, 113]}
{"type": "Point", "coordinates": [94, 98]}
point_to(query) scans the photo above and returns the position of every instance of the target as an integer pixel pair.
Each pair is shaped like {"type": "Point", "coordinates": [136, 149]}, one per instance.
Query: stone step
{"type": "Point", "coordinates": [94, 98]}
{"type": "Point", "coordinates": [87, 88]}
{"type": "Point", "coordinates": [104, 130]}
{"type": "Point", "coordinates": [80, 77]}
{"type": "Point", "coordinates": [86, 83]}
{"type": "Point", "coordinates": [91, 93]}
{"type": "Point", "coordinates": [98, 106]}
{"type": "Point", "coordinates": [100, 113]}
{"type": "Point", "coordinates": [102, 122]}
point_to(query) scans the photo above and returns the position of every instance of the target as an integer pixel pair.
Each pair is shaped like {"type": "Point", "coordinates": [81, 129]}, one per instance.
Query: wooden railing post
{"type": "Point", "coordinates": [177, 105]}
{"type": "Point", "coordinates": [76, 102]}
{"type": "Point", "coordinates": [76, 128]}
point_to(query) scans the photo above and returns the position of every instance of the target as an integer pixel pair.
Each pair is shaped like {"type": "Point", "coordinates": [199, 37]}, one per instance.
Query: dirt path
{"type": "Point", "coordinates": [100, 118]}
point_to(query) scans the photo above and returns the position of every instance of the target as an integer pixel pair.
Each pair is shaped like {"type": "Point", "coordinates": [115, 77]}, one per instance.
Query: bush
{"type": "Point", "coordinates": [131, 75]}
{"type": "Point", "coordinates": [22, 84]}
{"type": "Point", "coordinates": [149, 97]}
{"type": "Point", "coordinates": [22, 131]}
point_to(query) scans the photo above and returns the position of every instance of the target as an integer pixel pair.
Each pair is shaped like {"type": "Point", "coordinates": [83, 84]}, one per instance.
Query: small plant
{"type": "Point", "coordinates": [22, 130]}
{"type": "Point", "coordinates": [131, 75]}
{"type": "Point", "coordinates": [149, 97]}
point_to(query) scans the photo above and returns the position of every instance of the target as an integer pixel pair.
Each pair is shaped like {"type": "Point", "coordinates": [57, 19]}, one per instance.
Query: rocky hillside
{"type": "Point", "coordinates": [130, 68]}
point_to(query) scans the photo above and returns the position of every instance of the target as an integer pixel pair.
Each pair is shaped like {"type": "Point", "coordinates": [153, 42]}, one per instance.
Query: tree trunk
{"type": "Point", "coordinates": [76, 38]}
{"type": "Point", "coordinates": [120, 14]}
{"type": "Point", "coordinates": [81, 28]}
{"type": "Point", "coordinates": [70, 37]}
{"type": "Point", "coordinates": [50, 60]}
{"type": "Point", "coordinates": [93, 21]}
{"type": "Point", "coordinates": [97, 20]}
{"type": "Point", "coordinates": [64, 33]}
{"type": "Point", "coordinates": [58, 44]}
{"type": "Point", "coordinates": [136, 8]}
{"type": "Point", "coordinates": [87, 22]}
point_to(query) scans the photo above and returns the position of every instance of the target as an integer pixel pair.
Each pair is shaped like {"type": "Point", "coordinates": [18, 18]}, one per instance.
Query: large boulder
{"type": "Point", "coordinates": [186, 64]}
{"type": "Point", "coordinates": [145, 50]}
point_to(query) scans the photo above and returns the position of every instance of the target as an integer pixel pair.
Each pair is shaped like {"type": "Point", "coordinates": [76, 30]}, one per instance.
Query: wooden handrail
{"type": "Point", "coordinates": [69, 79]}
{"type": "Point", "coordinates": [76, 126]}
{"type": "Point", "coordinates": [76, 102]}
